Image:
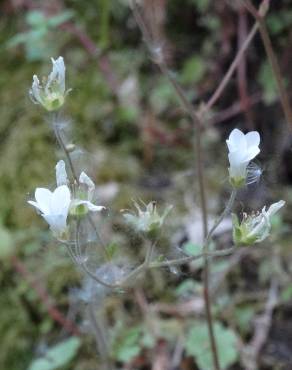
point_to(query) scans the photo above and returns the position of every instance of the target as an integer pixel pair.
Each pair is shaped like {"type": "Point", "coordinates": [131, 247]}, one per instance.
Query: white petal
{"type": "Point", "coordinates": [57, 223]}
{"type": "Point", "coordinates": [251, 153]}
{"type": "Point", "coordinates": [35, 204]}
{"type": "Point", "coordinates": [91, 207]}
{"type": "Point", "coordinates": [61, 174]}
{"type": "Point", "coordinates": [35, 90]}
{"type": "Point", "coordinates": [236, 140]}
{"type": "Point", "coordinates": [61, 200]}
{"type": "Point", "coordinates": [252, 139]}
{"type": "Point", "coordinates": [237, 158]}
{"type": "Point", "coordinates": [43, 198]}
{"type": "Point", "coordinates": [58, 74]}
{"type": "Point", "coordinates": [275, 207]}
{"type": "Point", "coordinates": [86, 180]}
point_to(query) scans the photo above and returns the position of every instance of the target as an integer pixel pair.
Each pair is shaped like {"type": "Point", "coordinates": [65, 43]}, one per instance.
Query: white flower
{"type": "Point", "coordinates": [54, 207]}
{"type": "Point", "coordinates": [242, 149]}
{"type": "Point", "coordinates": [255, 228]}
{"type": "Point", "coordinates": [81, 205]}
{"type": "Point", "coordinates": [52, 94]}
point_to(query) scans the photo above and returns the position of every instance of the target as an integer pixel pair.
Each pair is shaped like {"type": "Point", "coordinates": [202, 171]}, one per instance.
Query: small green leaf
{"type": "Point", "coordinates": [193, 70]}
{"type": "Point", "coordinates": [243, 316]}
{"type": "Point", "coordinates": [59, 355]}
{"type": "Point", "coordinates": [202, 5]}
{"type": "Point", "coordinates": [112, 250]}
{"type": "Point", "coordinates": [198, 345]}
{"type": "Point", "coordinates": [188, 287]}
{"type": "Point", "coordinates": [192, 249]}
{"type": "Point", "coordinates": [267, 81]}
{"type": "Point", "coordinates": [127, 347]}
{"type": "Point", "coordinates": [56, 20]}
{"type": "Point", "coordinates": [35, 18]}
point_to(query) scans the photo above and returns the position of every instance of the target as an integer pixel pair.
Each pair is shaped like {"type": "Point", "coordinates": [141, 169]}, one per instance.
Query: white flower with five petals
{"type": "Point", "coordinates": [54, 207]}
{"type": "Point", "coordinates": [242, 149]}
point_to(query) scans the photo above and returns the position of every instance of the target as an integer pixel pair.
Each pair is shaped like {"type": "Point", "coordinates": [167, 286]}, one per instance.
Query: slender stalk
{"type": "Point", "coordinates": [218, 92]}
{"type": "Point", "coordinates": [158, 58]}
{"type": "Point", "coordinates": [272, 58]}
{"type": "Point", "coordinates": [227, 209]}
{"type": "Point", "coordinates": [63, 146]}
{"type": "Point", "coordinates": [206, 278]}
{"type": "Point", "coordinates": [83, 265]}
{"type": "Point", "coordinates": [143, 267]}
{"type": "Point", "coordinates": [184, 260]}
{"type": "Point", "coordinates": [100, 339]}
{"type": "Point", "coordinates": [74, 174]}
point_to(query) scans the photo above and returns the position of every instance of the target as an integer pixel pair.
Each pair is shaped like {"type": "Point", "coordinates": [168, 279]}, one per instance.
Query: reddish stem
{"type": "Point", "coordinates": [53, 311]}
{"type": "Point", "coordinates": [242, 69]}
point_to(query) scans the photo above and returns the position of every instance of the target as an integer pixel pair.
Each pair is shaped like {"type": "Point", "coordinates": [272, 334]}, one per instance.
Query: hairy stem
{"type": "Point", "coordinates": [100, 338]}
{"type": "Point", "coordinates": [226, 211]}
{"type": "Point", "coordinates": [63, 146]}
{"type": "Point", "coordinates": [184, 260]}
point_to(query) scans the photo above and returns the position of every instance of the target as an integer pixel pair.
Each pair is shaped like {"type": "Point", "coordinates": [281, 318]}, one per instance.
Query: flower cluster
{"type": "Point", "coordinates": [76, 199]}
{"type": "Point", "coordinates": [51, 94]}
{"type": "Point", "coordinates": [55, 206]}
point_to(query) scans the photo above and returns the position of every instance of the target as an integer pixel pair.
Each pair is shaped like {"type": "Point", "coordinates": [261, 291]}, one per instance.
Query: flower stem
{"type": "Point", "coordinates": [158, 58]}
{"type": "Point", "coordinates": [63, 146]}
{"type": "Point", "coordinates": [227, 210]}
{"type": "Point", "coordinates": [100, 338]}
{"type": "Point", "coordinates": [206, 279]}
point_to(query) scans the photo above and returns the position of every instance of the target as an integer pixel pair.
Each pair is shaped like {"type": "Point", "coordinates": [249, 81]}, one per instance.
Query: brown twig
{"type": "Point", "coordinates": [242, 69]}
{"type": "Point", "coordinates": [259, 16]}
{"type": "Point", "coordinates": [218, 92]}
{"type": "Point", "coordinates": [53, 311]}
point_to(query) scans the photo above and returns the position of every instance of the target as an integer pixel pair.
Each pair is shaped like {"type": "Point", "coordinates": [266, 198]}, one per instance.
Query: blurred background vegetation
{"type": "Point", "coordinates": [136, 142]}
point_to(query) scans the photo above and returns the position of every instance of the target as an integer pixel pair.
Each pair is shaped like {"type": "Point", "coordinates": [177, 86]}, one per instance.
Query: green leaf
{"type": "Point", "coordinates": [198, 345]}
{"type": "Point", "coordinates": [59, 355]}
{"type": "Point", "coordinates": [193, 70]}
{"type": "Point", "coordinates": [286, 294]}
{"type": "Point", "coordinates": [188, 287]}
{"type": "Point", "coordinates": [128, 345]}
{"type": "Point", "coordinates": [192, 249]}
{"type": "Point", "coordinates": [60, 18]}
{"type": "Point", "coordinates": [112, 249]}
{"type": "Point", "coordinates": [243, 316]}
{"type": "Point", "coordinates": [35, 18]}
{"type": "Point", "coordinates": [267, 82]}
{"type": "Point", "coordinates": [202, 5]}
